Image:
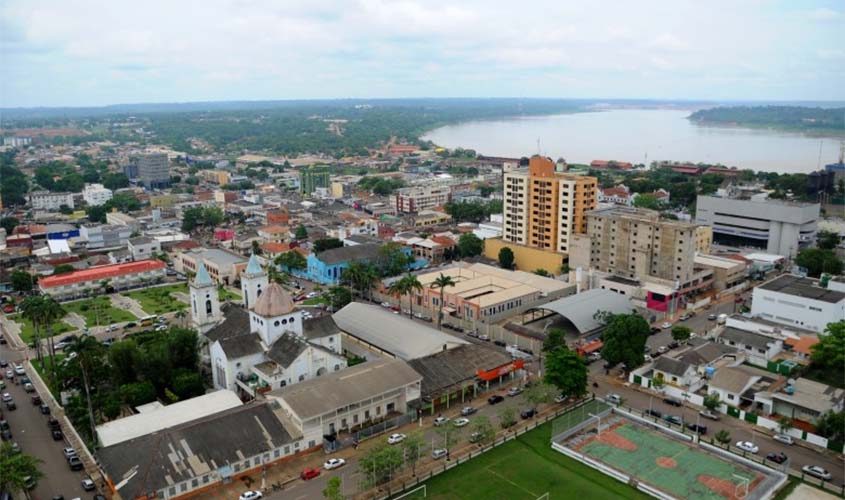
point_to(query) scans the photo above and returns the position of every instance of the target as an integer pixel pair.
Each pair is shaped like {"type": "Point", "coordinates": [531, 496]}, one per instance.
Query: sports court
{"type": "Point", "coordinates": [664, 462]}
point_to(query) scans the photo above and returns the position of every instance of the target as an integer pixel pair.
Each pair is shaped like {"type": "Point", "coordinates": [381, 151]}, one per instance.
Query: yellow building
{"type": "Point", "coordinates": [337, 189]}
{"type": "Point", "coordinates": [431, 218]}
{"type": "Point", "coordinates": [544, 208]}
{"type": "Point", "coordinates": [163, 200]}
{"type": "Point", "coordinates": [703, 239]}
{"type": "Point", "coordinates": [526, 258]}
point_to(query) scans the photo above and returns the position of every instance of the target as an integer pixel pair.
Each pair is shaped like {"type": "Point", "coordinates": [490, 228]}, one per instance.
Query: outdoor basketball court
{"type": "Point", "coordinates": [662, 461]}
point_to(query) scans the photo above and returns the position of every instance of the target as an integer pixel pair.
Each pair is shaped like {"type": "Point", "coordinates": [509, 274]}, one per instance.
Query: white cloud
{"type": "Point", "coordinates": [823, 14]}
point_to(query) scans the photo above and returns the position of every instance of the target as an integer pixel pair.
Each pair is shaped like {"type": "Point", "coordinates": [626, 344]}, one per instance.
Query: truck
{"type": "Point", "coordinates": [721, 319]}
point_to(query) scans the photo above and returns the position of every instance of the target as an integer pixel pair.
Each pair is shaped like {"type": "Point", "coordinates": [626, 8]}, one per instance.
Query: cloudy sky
{"type": "Point", "coordinates": [80, 52]}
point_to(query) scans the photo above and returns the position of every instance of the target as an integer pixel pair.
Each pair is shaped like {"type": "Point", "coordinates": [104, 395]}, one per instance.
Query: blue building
{"type": "Point", "coordinates": [327, 267]}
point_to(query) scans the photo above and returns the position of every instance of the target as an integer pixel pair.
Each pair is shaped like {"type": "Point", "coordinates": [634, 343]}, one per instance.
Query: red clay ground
{"type": "Point", "coordinates": [666, 462]}
{"type": "Point", "coordinates": [724, 487]}
{"type": "Point", "coordinates": [611, 438]}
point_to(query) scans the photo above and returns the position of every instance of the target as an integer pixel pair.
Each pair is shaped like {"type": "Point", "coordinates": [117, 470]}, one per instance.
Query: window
{"type": "Point", "coordinates": [731, 397]}
{"type": "Point", "coordinates": [195, 482]}
{"type": "Point", "coordinates": [276, 323]}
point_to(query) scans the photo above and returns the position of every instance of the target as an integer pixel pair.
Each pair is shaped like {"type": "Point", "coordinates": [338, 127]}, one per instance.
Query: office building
{"type": "Point", "coordinates": [313, 177]}
{"type": "Point", "coordinates": [82, 283]}
{"type": "Point", "coordinates": [154, 170]}
{"type": "Point", "coordinates": [224, 267]}
{"type": "Point", "coordinates": [105, 236]}
{"type": "Point", "coordinates": [96, 194]}
{"type": "Point", "coordinates": [637, 243]}
{"type": "Point", "coordinates": [544, 208]}
{"type": "Point", "coordinates": [798, 302]}
{"type": "Point", "coordinates": [744, 219]}
{"type": "Point", "coordinates": [424, 197]}
{"type": "Point", "coordinates": [45, 200]}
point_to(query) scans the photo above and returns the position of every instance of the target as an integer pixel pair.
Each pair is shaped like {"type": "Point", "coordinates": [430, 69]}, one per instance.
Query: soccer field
{"type": "Point", "coordinates": [524, 469]}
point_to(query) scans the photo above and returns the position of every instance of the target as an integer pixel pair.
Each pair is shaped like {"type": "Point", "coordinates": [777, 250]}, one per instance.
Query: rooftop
{"type": "Point", "coordinates": [733, 380]}
{"type": "Point", "coordinates": [368, 251]}
{"type": "Point", "coordinates": [742, 337]}
{"type": "Point", "coordinates": [343, 388]}
{"type": "Point", "coordinates": [715, 261]}
{"type": "Point", "coordinates": [124, 429]}
{"type": "Point", "coordinates": [217, 256]}
{"type": "Point", "coordinates": [813, 395]}
{"type": "Point", "coordinates": [274, 302]}
{"type": "Point", "coordinates": [392, 333]}
{"type": "Point", "coordinates": [802, 287]}
{"type": "Point", "coordinates": [581, 308]}
{"type": "Point", "coordinates": [445, 369]}
{"type": "Point", "coordinates": [101, 273]}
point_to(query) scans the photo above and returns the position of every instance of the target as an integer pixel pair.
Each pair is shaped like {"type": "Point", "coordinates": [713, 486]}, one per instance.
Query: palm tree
{"type": "Point", "coordinates": [88, 351]}
{"type": "Point", "coordinates": [410, 287]}
{"type": "Point", "coordinates": [361, 277]}
{"type": "Point", "coordinates": [181, 315]}
{"type": "Point", "coordinates": [442, 282]}
{"type": "Point", "coordinates": [51, 312]}
{"type": "Point", "coordinates": [31, 308]}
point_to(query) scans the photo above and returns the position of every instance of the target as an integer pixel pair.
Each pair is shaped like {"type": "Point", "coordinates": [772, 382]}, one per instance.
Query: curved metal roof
{"type": "Point", "coordinates": [580, 308]}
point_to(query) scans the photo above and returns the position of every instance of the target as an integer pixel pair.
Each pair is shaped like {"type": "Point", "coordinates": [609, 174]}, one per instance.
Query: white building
{"type": "Point", "coordinates": [82, 283]}
{"type": "Point", "coordinates": [144, 247]}
{"type": "Point", "coordinates": [45, 200]}
{"type": "Point", "coordinates": [798, 302]}
{"type": "Point", "coordinates": [730, 383]}
{"type": "Point", "coordinates": [205, 302]}
{"type": "Point", "coordinates": [96, 194]}
{"type": "Point", "coordinates": [758, 348]}
{"type": "Point", "coordinates": [105, 236]}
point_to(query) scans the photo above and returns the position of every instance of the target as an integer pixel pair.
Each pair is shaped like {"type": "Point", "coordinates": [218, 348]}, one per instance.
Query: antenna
{"type": "Point", "coordinates": [538, 147]}
{"type": "Point", "coordinates": [819, 163]}
{"type": "Point", "coordinates": [842, 152]}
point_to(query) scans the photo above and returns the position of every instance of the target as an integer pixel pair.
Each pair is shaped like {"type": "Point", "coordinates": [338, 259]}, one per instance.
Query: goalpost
{"type": "Point", "coordinates": [741, 490]}
{"type": "Point", "coordinates": [418, 488]}
{"type": "Point", "coordinates": [544, 496]}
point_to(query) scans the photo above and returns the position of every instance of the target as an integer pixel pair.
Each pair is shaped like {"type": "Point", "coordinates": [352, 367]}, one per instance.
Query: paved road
{"type": "Point", "coordinates": [30, 431]}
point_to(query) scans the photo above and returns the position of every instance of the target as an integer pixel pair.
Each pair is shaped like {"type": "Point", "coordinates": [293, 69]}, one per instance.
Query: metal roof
{"type": "Point", "coordinates": [580, 308]}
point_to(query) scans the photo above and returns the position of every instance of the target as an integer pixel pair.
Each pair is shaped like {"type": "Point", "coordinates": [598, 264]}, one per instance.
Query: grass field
{"type": "Point", "coordinates": [101, 307]}
{"type": "Point", "coordinates": [226, 294]}
{"type": "Point", "coordinates": [524, 469]}
{"type": "Point", "coordinates": [159, 299]}
{"type": "Point", "coordinates": [28, 331]}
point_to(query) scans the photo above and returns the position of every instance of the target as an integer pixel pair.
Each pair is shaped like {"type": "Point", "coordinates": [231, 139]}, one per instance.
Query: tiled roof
{"type": "Point", "coordinates": [101, 273]}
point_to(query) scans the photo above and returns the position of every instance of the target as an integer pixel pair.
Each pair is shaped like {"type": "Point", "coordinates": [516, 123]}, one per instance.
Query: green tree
{"type": "Point", "coordinates": [333, 489]}
{"type": "Point", "coordinates": [392, 259]}
{"type": "Point", "coordinates": [566, 371]}
{"type": "Point", "coordinates": [291, 260]}
{"type": "Point", "coordinates": [784, 424]}
{"type": "Point", "coordinates": [555, 337]}
{"type": "Point", "coordinates": [414, 447]}
{"type": "Point", "coordinates": [188, 384]}
{"type": "Point", "coordinates": [324, 244]}
{"type": "Point", "coordinates": [449, 435]}
{"type": "Point", "coordinates": [138, 393]}
{"type": "Point", "coordinates": [818, 261]}
{"type": "Point", "coordinates": [301, 233]}
{"type": "Point", "coordinates": [828, 355]}
{"type": "Point", "coordinates": [21, 281]}
{"type": "Point", "coordinates": [832, 426]}
{"type": "Point", "coordinates": [380, 463]}
{"type": "Point", "coordinates": [96, 213]}
{"type": "Point", "coordinates": [89, 354]}
{"type": "Point", "coordinates": [507, 417]}
{"type": "Point", "coordinates": [18, 470]}
{"type": "Point", "coordinates": [482, 428]}
{"type": "Point", "coordinates": [542, 272]}
{"type": "Point", "coordinates": [827, 240]}
{"type": "Point", "coordinates": [183, 346]}
{"type": "Point", "coordinates": [681, 333]}
{"type": "Point", "coordinates": [506, 258]}
{"type": "Point", "coordinates": [470, 245]}
{"type": "Point", "coordinates": [14, 184]}
{"type": "Point", "coordinates": [646, 200]}
{"type": "Point", "coordinates": [115, 180]}
{"type": "Point", "coordinates": [442, 282]}
{"type": "Point", "coordinates": [9, 224]}
{"type": "Point", "coordinates": [338, 296]}
{"type": "Point", "coordinates": [723, 437]}
{"type": "Point", "coordinates": [712, 401]}
{"type": "Point", "coordinates": [361, 277]}
{"type": "Point", "coordinates": [63, 269]}
{"type": "Point", "coordinates": [624, 340]}
{"type": "Point", "coordinates": [123, 358]}
{"type": "Point", "coordinates": [541, 393]}
{"type": "Point", "coordinates": [407, 285]}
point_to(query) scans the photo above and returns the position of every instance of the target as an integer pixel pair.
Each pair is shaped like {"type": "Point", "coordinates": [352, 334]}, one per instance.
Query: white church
{"type": "Point", "coordinates": [265, 344]}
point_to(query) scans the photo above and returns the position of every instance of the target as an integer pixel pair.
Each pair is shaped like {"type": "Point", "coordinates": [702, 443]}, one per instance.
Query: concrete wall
{"type": "Point", "coordinates": [525, 258]}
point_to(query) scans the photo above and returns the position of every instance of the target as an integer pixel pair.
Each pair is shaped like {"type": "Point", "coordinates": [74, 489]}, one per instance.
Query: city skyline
{"type": "Point", "coordinates": [58, 54]}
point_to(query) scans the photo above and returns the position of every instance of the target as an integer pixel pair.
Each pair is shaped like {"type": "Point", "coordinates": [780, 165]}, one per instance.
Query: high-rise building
{"type": "Point", "coordinates": [424, 197]}
{"type": "Point", "coordinates": [637, 243]}
{"type": "Point", "coordinates": [313, 177]}
{"type": "Point", "coordinates": [154, 170]}
{"type": "Point", "coordinates": [544, 208]}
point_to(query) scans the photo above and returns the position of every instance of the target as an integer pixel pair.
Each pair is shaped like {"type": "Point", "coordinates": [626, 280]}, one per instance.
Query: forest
{"type": "Point", "coordinates": [783, 117]}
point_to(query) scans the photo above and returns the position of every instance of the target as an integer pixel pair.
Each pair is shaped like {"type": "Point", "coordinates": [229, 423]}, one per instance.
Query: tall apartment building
{"type": "Point", "coordinates": [154, 170]}
{"type": "Point", "coordinates": [96, 194]}
{"type": "Point", "coordinates": [425, 197]}
{"type": "Point", "coordinates": [637, 243]}
{"type": "Point", "coordinates": [544, 208]}
{"type": "Point", "coordinates": [778, 227]}
{"type": "Point", "coordinates": [45, 200]}
{"type": "Point", "coordinates": [313, 177]}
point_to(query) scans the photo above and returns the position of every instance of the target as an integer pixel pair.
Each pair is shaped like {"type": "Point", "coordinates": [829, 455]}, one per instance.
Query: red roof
{"type": "Point", "coordinates": [686, 169]}
{"type": "Point", "coordinates": [274, 247]}
{"type": "Point", "coordinates": [186, 244]}
{"type": "Point", "coordinates": [803, 345]}
{"type": "Point", "coordinates": [616, 191]}
{"type": "Point", "coordinates": [101, 273]}
{"type": "Point", "coordinates": [443, 240]}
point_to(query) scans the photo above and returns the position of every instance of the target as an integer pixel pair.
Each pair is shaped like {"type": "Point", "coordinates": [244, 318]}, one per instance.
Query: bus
{"type": "Point", "coordinates": [148, 320]}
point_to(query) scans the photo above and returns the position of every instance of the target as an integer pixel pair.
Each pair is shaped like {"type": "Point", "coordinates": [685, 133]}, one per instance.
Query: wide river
{"type": "Point", "coordinates": [639, 136]}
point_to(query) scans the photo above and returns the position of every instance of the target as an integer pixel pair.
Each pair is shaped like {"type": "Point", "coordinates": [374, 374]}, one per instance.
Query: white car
{"type": "Point", "coordinates": [460, 422]}
{"type": "Point", "coordinates": [614, 399]}
{"type": "Point", "coordinates": [514, 391]}
{"type": "Point", "coordinates": [783, 438]}
{"type": "Point", "coordinates": [395, 438]}
{"type": "Point", "coordinates": [250, 495]}
{"type": "Point", "coordinates": [440, 421]}
{"type": "Point", "coordinates": [663, 349]}
{"type": "Point", "coordinates": [7, 397]}
{"type": "Point", "coordinates": [666, 325]}
{"type": "Point", "coordinates": [334, 463]}
{"type": "Point", "coordinates": [439, 453]}
{"type": "Point", "coordinates": [19, 370]}
{"type": "Point", "coordinates": [385, 304]}
{"type": "Point", "coordinates": [747, 446]}
{"type": "Point", "coordinates": [816, 471]}
{"type": "Point", "coordinates": [69, 452]}
{"type": "Point", "coordinates": [560, 398]}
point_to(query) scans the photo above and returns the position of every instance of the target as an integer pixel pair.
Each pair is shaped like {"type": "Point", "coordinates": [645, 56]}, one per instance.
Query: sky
{"type": "Point", "coordinates": [90, 53]}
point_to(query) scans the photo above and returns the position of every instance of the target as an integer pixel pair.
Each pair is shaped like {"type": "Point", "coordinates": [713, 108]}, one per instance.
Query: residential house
{"type": "Point", "coordinates": [804, 400]}
{"type": "Point", "coordinates": [674, 372]}
{"type": "Point", "coordinates": [731, 384]}
{"type": "Point", "coordinates": [224, 267]}
{"type": "Point", "coordinates": [144, 247]}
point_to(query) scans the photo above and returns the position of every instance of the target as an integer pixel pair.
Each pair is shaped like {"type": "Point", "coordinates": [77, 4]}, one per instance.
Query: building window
{"type": "Point", "coordinates": [276, 323]}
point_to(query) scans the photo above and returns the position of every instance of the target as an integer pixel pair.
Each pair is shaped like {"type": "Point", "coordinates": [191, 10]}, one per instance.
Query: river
{"type": "Point", "coordinates": [639, 136]}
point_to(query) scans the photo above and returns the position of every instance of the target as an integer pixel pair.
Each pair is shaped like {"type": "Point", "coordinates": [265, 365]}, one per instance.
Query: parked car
{"type": "Point", "coordinates": [309, 473]}
{"type": "Point", "coordinates": [475, 437]}
{"type": "Point", "coordinates": [711, 317]}
{"type": "Point", "coordinates": [334, 463]}
{"type": "Point", "coordinates": [19, 370]}
{"type": "Point", "coordinates": [777, 457]}
{"type": "Point", "coordinates": [674, 344]}
{"type": "Point", "coordinates": [3, 363]}
{"type": "Point", "coordinates": [88, 485]}
{"type": "Point", "coordinates": [385, 304]}
{"type": "Point", "coordinates": [483, 337]}
{"type": "Point", "coordinates": [439, 453]}
{"type": "Point", "coordinates": [130, 325]}
{"type": "Point", "coordinates": [35, 399]}
{"type": "Point", "coordinates": [69, 452]}
{"type": "Point", "coordinates": [673, 419]}
{"type": "Point", "coordinates": [467, 411]}
{"type": "Point", "coordinates": [709, 414]}
{"type": "Point", "coordinates": [75, 463]}
{"type": "Point", "coordinates": [495, 399]}
{"type": "Point", "coordinates": [560, 398]}
{"type": "Point", "coordinates": [662, 349]}
{"type": "Point", "coordinates": [816, 471]}
{"type": "Point", "coordinates": [4, 424]}
{"type": "Point", "coordinates": [528, 413]}
{"type": "Point", "coordinates": [747, 446]}
{"type": "Point", "coordinates": [395, 438]}
{"type": "Point", "coordinates": [57, 435]}
{"type": "Point", "coordinates": [28, 387]}
{"type": "Point", "coordinates": [701, 429]}
{"type": "Point", "coordinates": [11, 406]}
{"type": "Point", "coordinates": [6, 435]}
{"type": "Point", "coordinates": [514, 391]}
{"type": "Point", "coordinates": [653, 413]}
{"type": "Point", "coordinates": [614, 399]}
{"type": "Point", "coordinates": [500, 343]}
{"type": "Point", "coordinates": [460, 422]}
{"type": "Point", "coordinates": [783, 438]}
{"type": "Point", "coordinates": [7, 397]}
{"type": "Point", "coordinates": [666, 325]}
{"type": "Point", "coordinates": [655, 330]}
{"type": "Point", "coordinates": [53, 423]}
{"type": "Point", "coordinates": [673, 401]}
{"type": "Point", "coordinates": [685, 316]}
{"type": "Point", "coordinates": [440, 421]}
{"type": "Point", "coordinates": [44, 409]}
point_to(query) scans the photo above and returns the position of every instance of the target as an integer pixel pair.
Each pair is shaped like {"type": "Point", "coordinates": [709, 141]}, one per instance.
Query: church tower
{"type": "Point", "coordinates": [205, 304]}
{"type": "Point", "coordinates": [253, 282]}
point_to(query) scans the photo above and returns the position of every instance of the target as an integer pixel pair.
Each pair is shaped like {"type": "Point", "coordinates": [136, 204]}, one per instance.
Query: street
{"type": "Point", "coordinates": [30, 431]}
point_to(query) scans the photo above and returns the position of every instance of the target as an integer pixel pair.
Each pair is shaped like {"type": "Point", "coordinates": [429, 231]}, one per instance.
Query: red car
{"type": "Point", "coordinates": [310, 474]}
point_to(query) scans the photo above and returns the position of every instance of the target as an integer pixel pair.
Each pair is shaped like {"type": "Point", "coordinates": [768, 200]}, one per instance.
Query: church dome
{"type": "Point", "coordinates": [274, 301]}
